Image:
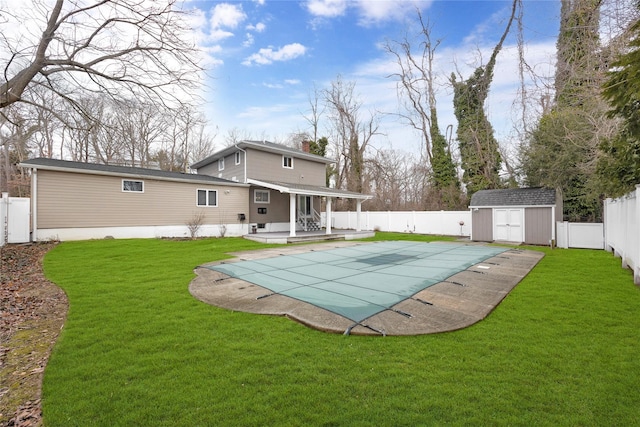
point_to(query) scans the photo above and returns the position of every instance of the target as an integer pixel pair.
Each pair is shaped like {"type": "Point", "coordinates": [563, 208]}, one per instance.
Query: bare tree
{"type": "Point", "coordinates": [416, 81]}
{"type": "Point", "coordinates": [236, 135]}
{"type": "Point", "coordinates": [201, 145]}
{"type": "Point", "coordinates": [316, 111]}
{"type": "Point", "coordinates": [120, 49]}
{"type": "Point", "coordinates": [16, 129]}
{"type": "Point", "coordinates": [141, 126]}
{"type": "Point", "coordinates": [185, 141]}
{"type": "Point", "coordinates": [352, 134]}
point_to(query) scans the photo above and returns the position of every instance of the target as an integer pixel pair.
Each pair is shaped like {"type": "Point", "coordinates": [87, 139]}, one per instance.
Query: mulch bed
{"type": "Point", "coordinates": [32, 313]}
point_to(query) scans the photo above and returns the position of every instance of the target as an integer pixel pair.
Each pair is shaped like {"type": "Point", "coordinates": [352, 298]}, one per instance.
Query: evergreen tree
{"type": "Point", "coordinates": [445, 176]}
{"type": "Point", "coordinates": [319, 148]}
{"type": "Point", "coordinates": [562, 149]}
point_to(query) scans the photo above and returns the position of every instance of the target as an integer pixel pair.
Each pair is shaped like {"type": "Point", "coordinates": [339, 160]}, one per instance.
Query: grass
{"type": "Point", "coordinates": [137, 349]}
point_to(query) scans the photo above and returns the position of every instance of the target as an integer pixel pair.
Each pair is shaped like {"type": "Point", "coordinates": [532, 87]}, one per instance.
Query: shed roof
{"type": "Point", "coordinates": [125, 171]}
{"type": "Point", "coordinates": [536, 196]}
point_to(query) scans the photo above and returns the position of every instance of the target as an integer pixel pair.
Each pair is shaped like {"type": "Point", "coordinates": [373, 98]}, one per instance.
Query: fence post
{"type": "Point", "coordinates": [636, 239]}
{"type": "Point", "coordinates": [4, 219]}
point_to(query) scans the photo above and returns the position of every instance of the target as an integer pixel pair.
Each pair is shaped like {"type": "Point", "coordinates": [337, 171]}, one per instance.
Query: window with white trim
{"type": "Point", "coordinates": [221, 164]}
{"type": "Point", "coordinates": [261, 196]}
{"type": "Point", "coordinates": [238, 157]}
{"type": "Point", "coordinates": [130, 186]}
{"type": "Point", "coordinates": [287, 162]}
{"type": "Point", "coordinates": [207, 198]}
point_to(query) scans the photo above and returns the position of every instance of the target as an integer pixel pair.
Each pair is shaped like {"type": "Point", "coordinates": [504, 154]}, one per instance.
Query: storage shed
{"type": "Point", "coordinates": [518, 215]}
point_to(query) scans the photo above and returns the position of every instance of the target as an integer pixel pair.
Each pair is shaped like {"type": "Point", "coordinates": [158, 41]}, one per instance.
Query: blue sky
{"type": "Point", "coordinates": [265, 57]}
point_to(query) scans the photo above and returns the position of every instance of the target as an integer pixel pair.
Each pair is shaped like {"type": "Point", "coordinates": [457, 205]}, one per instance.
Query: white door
{"type": "Point", "coordinates": [507, 225]}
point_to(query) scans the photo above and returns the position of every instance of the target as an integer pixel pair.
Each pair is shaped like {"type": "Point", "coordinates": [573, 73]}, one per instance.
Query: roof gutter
{"type": "Point", "coordinates": [129, 175]}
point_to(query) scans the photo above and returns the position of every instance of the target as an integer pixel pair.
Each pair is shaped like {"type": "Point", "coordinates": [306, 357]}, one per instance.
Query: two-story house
{"type": "Point", "coordinates": [248, 187]}
{"type": "Point", "coordinates": [286, 185]}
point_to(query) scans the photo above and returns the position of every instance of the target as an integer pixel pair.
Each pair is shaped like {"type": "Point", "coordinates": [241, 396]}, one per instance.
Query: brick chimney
{"type": "Point", "coordinates": [306, 146]}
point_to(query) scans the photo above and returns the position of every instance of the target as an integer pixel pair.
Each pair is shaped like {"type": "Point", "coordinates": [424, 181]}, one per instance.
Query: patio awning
{"type": "Point", "coordinates": [309, 190]}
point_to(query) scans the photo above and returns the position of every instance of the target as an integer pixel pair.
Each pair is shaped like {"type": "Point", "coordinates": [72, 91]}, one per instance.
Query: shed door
{"type": "Point", "coordinates": [507, 225]}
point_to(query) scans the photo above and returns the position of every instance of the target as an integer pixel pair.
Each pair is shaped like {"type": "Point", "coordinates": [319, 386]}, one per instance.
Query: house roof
{"type": "Point", "coordinates": [261, 146]}
{"type": "Point", "coordinates": [537, 196]}
{"type": "Point", "coordinates": [125, 171]}
{"type": "Point", "coordinates": [309, 190]}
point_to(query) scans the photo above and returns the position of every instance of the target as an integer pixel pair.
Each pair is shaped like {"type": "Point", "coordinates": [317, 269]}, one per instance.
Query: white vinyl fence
{"type": "Point", "coordinates": [580, 235]}
{"type": "Point", "coordinates": [14, 219]}
{"type": "Point", "coordinates": [448, 223]}
{"type": "Point", "coordinates": [622, 230]}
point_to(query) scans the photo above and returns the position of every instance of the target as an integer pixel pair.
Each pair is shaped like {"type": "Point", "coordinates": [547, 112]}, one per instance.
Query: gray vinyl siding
{"type": "Point", "coordinates": [211, 169]}
{"type": "Point", "coordinates": [268, 167]}
{"type": "Point", "coordinates": [232, 171]}
{"type": "Point", "coordinates": [482, 225]}
{"type": "Point", "coordinates": [76, 200]}
{"type": "Point", "coordinates": [277, 208]}
{"type": "Point", "coordinates": [538, 223]}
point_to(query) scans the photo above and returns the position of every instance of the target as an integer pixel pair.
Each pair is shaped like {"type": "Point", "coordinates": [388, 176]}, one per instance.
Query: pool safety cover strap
{"type": "Point", "coordinates": [360, 281]}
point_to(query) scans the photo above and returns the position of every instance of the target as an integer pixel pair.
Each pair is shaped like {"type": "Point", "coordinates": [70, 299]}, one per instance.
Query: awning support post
{"type": "Point", "coordinates": [292, 215]}
{"type": "Point", "coordinates": [328, 215]}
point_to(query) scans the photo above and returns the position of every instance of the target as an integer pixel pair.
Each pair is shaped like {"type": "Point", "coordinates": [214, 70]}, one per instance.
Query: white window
{"type": "Point", "coordinates": [208, 198]}
{"type": "Point", "coordinates": [237, 157]}
{"type": "Point", "coordinates": [221, 164]}
{"type": "Point", "coordinates": [287, 162]}
{"type": "Point", "coordinates": [261, 196]}
{"type": "Point", "coordinates": [132, 186]}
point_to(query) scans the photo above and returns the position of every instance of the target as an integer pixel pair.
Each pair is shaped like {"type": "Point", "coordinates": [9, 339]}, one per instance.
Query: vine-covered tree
{"type": "Point", "coordinates": [417, 95]}
{"type": "Point", "coordinates": [479, 152]}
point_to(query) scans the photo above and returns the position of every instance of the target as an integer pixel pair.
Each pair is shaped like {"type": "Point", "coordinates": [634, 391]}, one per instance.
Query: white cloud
{"type": "Point", "coordinates": [249, 40]}
{"type": "Point", "coordinates": [289, 82]}
{"type": "Point", "coordinates": [369, 12]}
{"type": "Point", "coordinates": [258, 28]}
{"type": "Point", "coordinates": [373, 12]}
{"type": "Point", "coordinates": [327, 8]}
{"type": "Point", "coordinates": [268, 55]}
{"type": "Point", "coordinates": [227, 15]}
{"type": "Point", "coordinates": [218, 34]}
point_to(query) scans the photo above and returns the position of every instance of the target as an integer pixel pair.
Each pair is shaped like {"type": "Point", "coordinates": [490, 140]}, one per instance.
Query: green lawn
{"type": "Point", "coordinates": [137, 350]}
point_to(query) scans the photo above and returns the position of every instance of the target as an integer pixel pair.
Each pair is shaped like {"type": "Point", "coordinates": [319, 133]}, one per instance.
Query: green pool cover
{"type": "Point", "coordinates": [360, 281]}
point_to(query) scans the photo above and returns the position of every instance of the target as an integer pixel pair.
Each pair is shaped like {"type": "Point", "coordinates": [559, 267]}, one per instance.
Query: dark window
{"type": "Point", "coordinates": [134, 186]}
{"type": "Point", "coordinates": [287, 162]}
{"type": "Point", "coordinates": [207, 198]}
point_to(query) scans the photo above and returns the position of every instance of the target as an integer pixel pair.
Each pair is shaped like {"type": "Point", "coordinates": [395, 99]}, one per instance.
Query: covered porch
{"type": "Point", "coordinates": [302, 213]}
